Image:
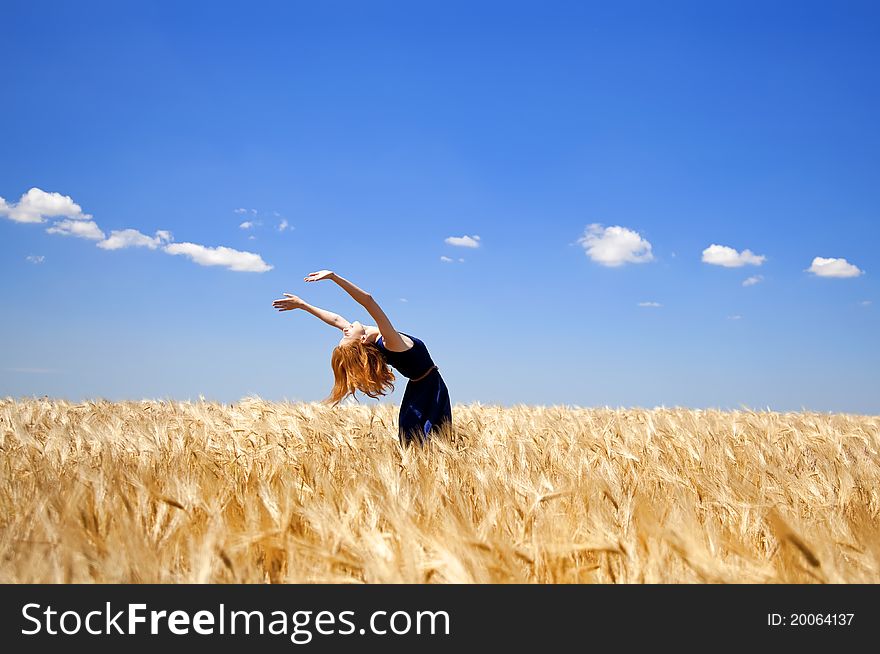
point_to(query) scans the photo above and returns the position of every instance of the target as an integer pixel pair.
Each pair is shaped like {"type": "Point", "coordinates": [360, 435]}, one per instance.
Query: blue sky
{"type": "Point", "coordinates": [569, 137]}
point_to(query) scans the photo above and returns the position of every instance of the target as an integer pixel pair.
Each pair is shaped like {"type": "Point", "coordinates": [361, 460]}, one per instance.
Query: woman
{"type": "Point", "coordinates": [360, 363]}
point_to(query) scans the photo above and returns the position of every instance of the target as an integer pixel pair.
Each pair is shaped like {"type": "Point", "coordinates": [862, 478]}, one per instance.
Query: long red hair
{"type": "Point", "coordinates": [360, 367]}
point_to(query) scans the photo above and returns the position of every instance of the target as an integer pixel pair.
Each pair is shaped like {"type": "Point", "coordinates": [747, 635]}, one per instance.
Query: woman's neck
{"type": "Point", "coordinates": [372, 334]}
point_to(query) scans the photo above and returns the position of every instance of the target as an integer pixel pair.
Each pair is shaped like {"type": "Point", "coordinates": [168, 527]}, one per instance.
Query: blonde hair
{"type": "Point", "coordinates": [360, 367]}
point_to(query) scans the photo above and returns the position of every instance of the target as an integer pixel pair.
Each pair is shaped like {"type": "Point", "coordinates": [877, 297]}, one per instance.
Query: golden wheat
{"type": "Point", "coordinates": [276, 492]}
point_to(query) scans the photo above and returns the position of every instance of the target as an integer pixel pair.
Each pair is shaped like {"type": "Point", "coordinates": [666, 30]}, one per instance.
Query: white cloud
{"type": "Point", "coordinates": [220, 256]}
{"type": "Point", "coordinates": [276, 214]}
{"type": "Point", "coordinates": [615, 246]}
{"type": "Point", "coordinates": [864, 303]}
{"type": "Point", "coordinates": [652, 305]}
{"type": "Point", "coordinates": [460, 260]}
{"type": "Point", "coordinates": [78, 228]}
{"type": "Point", "coordinates": [36, 205]}
{"type": "Point", "coordinates": [132, 238]}
{"type": "Point", "coordinates": [247, 224]}
{"type": "Point", "coordinates": [403, 299]}
{"type": "Point", "coordinates": [35, 258]}
{"type": "Point", "coordinates": [254, 211]}
{"type": "Point", "coordinates": [735, 317]}
{"type": "Point", "coordinates": [721, 255]}
{"type": "Point", "coordinates": [754, 279]}
{"type": "Point", "coordinates": [464, 241]}
{"type": "Point", "coordinates": [834, 268]}
{"type": "Point", "coordinates": [283, 225]}
{"type": "Point", "coordinates": [446, 260]}
{"type": "Point", "coordinates": [252, 238]}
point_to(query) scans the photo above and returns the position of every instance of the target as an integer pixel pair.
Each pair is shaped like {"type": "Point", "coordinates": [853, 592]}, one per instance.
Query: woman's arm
{"type": "Point", "coordinates": [390, 337]}
{"type": "Point", "coordinates": [291, 302]}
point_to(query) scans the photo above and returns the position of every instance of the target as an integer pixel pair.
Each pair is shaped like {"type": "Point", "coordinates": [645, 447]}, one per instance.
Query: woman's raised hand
{"type": "Point", "coordinates": [288, 303]}
{"type": "Point", "coordinates": [318, 276]}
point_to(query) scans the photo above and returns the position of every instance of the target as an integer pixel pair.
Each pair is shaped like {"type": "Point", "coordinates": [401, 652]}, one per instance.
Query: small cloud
{"type": "Point", "coordinates": [252, 238]}
{"type": "Point", "coordinates": [254, 211]}
{"type": "Point", "coordinates": [79, 228]}
{"type": "Point", "coordinates": [734, 317]}
{"type": "Point", "coordinates": [247, 224]}
{"type": "Point", "coordinates": [754, 279]}
{"type": "Point", "coordinates": [283, 225]}
{"type": "Point", "coordinates": [35, 258]}
{"type": "Point", "coordinates": [864, 303]}
{"type": "Point", "coordinates": [460, 260]}
{"type": "Point", "coordinates": [241, 210]}
{"type": "Point", "coordinates": [36, 205]}
{"type": "Point", "coordinates": [132, 238]}
{"type": "Point", "coordinates": [220, 256]}
{"type": "Point", "coordinates": [464, 241]}
{"type": "Point", "coordinates": [276, 214]}
{"type": "Point", "coordinates": [445, 259]}
{"type": "Point", "coordinates": [721, 255]}
{"type": "Point", "coordinates": [615, 246]}
{"type": "Point", "coordinates": [403, 299]}
{"type": "Point", "coordinates": [652, 305]}
{"type": "Point", "coordinates": [822, 267]}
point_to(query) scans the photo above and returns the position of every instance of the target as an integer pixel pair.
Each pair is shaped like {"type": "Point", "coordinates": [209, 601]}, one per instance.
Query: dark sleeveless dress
{"type": "Point", "coordinates": [425, 405]}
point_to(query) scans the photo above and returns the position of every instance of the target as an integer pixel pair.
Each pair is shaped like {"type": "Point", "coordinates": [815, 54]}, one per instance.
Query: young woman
{"type": "Point", "coordinates": [360, 363]}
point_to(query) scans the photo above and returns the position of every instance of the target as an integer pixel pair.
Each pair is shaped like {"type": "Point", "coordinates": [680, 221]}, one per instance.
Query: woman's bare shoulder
{"type": "Point", "coordinates": [374, 334]}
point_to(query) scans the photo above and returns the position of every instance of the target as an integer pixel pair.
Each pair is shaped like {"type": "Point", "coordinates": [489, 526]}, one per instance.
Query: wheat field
{"type": "Point", "coordinates": [256, 492]}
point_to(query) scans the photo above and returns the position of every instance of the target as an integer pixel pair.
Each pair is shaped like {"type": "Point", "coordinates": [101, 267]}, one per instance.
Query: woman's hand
{"type": "Point", "coordinates": [321, 274]}
{"type": "Point", "coordinates": [288, 303]}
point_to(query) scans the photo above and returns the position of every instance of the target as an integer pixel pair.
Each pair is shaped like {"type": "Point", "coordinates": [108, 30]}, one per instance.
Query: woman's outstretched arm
{"type": "Point", "coordinates": [291, 302]}
{"type": "Point", "coordinates": [390, 337]}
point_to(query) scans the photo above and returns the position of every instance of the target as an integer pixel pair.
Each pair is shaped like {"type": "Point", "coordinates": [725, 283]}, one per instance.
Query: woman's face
{"type": "Point", "coordinates": [354, 332]}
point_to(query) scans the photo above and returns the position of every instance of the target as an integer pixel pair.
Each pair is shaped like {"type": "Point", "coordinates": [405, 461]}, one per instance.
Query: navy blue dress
{"type": "Point", "coordinates": [425, 405]}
